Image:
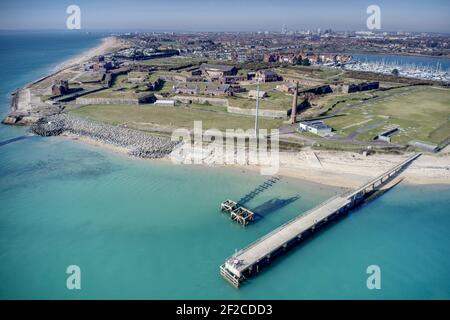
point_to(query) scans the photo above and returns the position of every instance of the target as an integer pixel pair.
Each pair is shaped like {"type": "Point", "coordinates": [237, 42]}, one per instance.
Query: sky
{"type": "Point", "coordinates": [229, 15]}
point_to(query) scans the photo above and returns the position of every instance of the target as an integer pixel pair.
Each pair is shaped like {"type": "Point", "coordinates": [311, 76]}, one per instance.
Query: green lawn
{"type": "Point", "coordinates": [44, 84]}
{"type": "Point", "coordinates": [90, 77]}
{"type": "Point", "coordinates": [315, 73]}
{"type": "Point", "coordinates": [114, 94]}
{"type": "Point", "coordinates": [166, 88]}
{"type": "Point", "coordinates": [276, 100]}
{"type": "Point", "coordinates": [422, 113]}
{"type": "Point", "coordinates": [170, 116]}
{"type": "Point", "coordinates": [121, 81]}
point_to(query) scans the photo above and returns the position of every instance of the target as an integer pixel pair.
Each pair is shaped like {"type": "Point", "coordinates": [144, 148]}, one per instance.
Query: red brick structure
{"type": "Point", "coordinates": [60, 88]}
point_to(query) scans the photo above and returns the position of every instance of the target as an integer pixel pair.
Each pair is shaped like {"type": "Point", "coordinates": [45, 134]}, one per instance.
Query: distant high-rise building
{"type": "Point", "coordinates": [283, 29]}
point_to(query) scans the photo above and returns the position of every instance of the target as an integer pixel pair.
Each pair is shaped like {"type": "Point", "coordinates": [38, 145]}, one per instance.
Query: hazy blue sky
{"type": "Point", "coordinates": [230, 15]}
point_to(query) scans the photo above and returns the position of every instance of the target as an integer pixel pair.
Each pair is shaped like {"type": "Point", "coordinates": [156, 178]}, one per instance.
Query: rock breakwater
{"type": "Point", "coordinates": [138, 144]}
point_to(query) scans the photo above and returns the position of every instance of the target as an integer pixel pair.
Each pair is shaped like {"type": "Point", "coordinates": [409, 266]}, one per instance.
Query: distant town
{"type": "Point", "coordinates": [252, 46]}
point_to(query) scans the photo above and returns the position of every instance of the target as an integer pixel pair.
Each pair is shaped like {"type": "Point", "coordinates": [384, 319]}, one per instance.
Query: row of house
{"type": "Point", "coordinates": [290, 58]}
{"type": "Point", "coordinates": [297, 57]}
{"type": "Point", "coordinates": [325, 58]}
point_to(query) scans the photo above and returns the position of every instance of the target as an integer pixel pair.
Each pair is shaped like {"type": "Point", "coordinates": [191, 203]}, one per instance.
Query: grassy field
{"type": "Point", "coordinates": [122, 88]}
{"type": "Point", "coordinates": [50, 80]}
{"type": "Point", "coordinates": [422, 113]}
{"type": "Point", "coordinates": [334, 103]}
{"type": "Point", "coordinates": [90, 77]}
{"type": "Point", "coordinates": [314, 73]}
{"type": "Point", "coordinates": [276, 100]}
{"type": "Point", "coordinates": [114, 94]}
{"type": "Point", "coordinates": [170, 116]}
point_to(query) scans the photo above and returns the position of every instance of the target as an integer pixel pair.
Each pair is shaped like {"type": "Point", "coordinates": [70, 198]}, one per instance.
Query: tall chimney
{"type": "Point", "coordinates": [294, 104]}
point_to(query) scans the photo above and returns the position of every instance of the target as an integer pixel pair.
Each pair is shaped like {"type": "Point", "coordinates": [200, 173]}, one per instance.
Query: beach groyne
{"type": "Point", "coordinates": [138, 144]}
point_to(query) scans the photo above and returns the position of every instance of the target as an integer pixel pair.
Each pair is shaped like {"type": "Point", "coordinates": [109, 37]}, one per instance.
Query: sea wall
{"type": "Point", "coordinates": [364, 86]}
{"type": "Point", "coordinates": [106, 101]}
{"type": "Point", "coordinates": [318, 90]}
{"type": "Point", "coordinates": [137, 143]}
{"type": "Point", "coordinates": [202, 100]}
{"type": "Point", "coordinates": [261, 112]}
{"type": "Point", "coordinates": [146, 98]}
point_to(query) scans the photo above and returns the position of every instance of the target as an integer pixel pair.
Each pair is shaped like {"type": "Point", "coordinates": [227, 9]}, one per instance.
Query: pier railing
{"type": "Point", "coordinates": [324, 210]}
{"type": "Point", "coordinates": [284, 225]}
{"type": "Point", "coordinates": [347, 195]}
{"type": "Point", "coordinates": [387, 173]}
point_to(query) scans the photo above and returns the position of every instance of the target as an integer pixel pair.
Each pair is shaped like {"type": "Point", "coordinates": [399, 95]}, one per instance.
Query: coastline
{"type": "Point", "coordinates": [21, 107]}
{"type": "Point", "coordinates": [329, 168]}
{"type": "Point", "coordinates": [107, 45]}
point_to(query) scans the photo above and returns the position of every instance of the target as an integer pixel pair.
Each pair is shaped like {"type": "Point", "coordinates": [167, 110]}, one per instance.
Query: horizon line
{"type": "Point", "coordinates": [206, 31]}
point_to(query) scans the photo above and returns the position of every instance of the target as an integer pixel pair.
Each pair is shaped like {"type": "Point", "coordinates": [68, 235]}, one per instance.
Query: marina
{"type": "Point", "coordinates": [250, 259]}
{"type": "Point", "coordinates": [407, 66]}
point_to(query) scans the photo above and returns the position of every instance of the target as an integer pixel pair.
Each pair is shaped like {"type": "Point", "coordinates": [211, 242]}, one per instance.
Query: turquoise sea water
{"type": "Point", "coordinates": [146, 229]}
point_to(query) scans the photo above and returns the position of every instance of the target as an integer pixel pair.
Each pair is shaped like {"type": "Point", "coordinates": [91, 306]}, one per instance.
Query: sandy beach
{"type": "Point", "coordinates": [107, 45]}
{"type": "Point", "coordinates": [348, 169]}
{"type": "Point", "coordinates": [333, 168]}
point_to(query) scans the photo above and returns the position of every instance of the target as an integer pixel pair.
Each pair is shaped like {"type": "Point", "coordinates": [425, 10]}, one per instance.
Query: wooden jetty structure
{"type": "Point", "coordinates": [237, 212]}
{"type": "Point", "coordinates": [250, 259]}
{"type": "Point", "coordinates": [236, 209]}
{"type": "Point", "coordinates": [261, 188]}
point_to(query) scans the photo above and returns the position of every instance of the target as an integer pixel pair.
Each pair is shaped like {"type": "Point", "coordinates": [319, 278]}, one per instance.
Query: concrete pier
{"type": "Point", "coordinates": [250, 259]}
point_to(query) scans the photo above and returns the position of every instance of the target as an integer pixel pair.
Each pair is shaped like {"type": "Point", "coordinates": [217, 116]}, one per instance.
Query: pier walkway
{"type": "Point", "coordinates": [249, 259]}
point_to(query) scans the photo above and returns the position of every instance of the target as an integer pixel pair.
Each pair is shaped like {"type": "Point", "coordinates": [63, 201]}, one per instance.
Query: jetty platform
{"type": "Point", "coordinates": [250, 259]}
{"type": "Point", "coordinates": [237, 212]}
